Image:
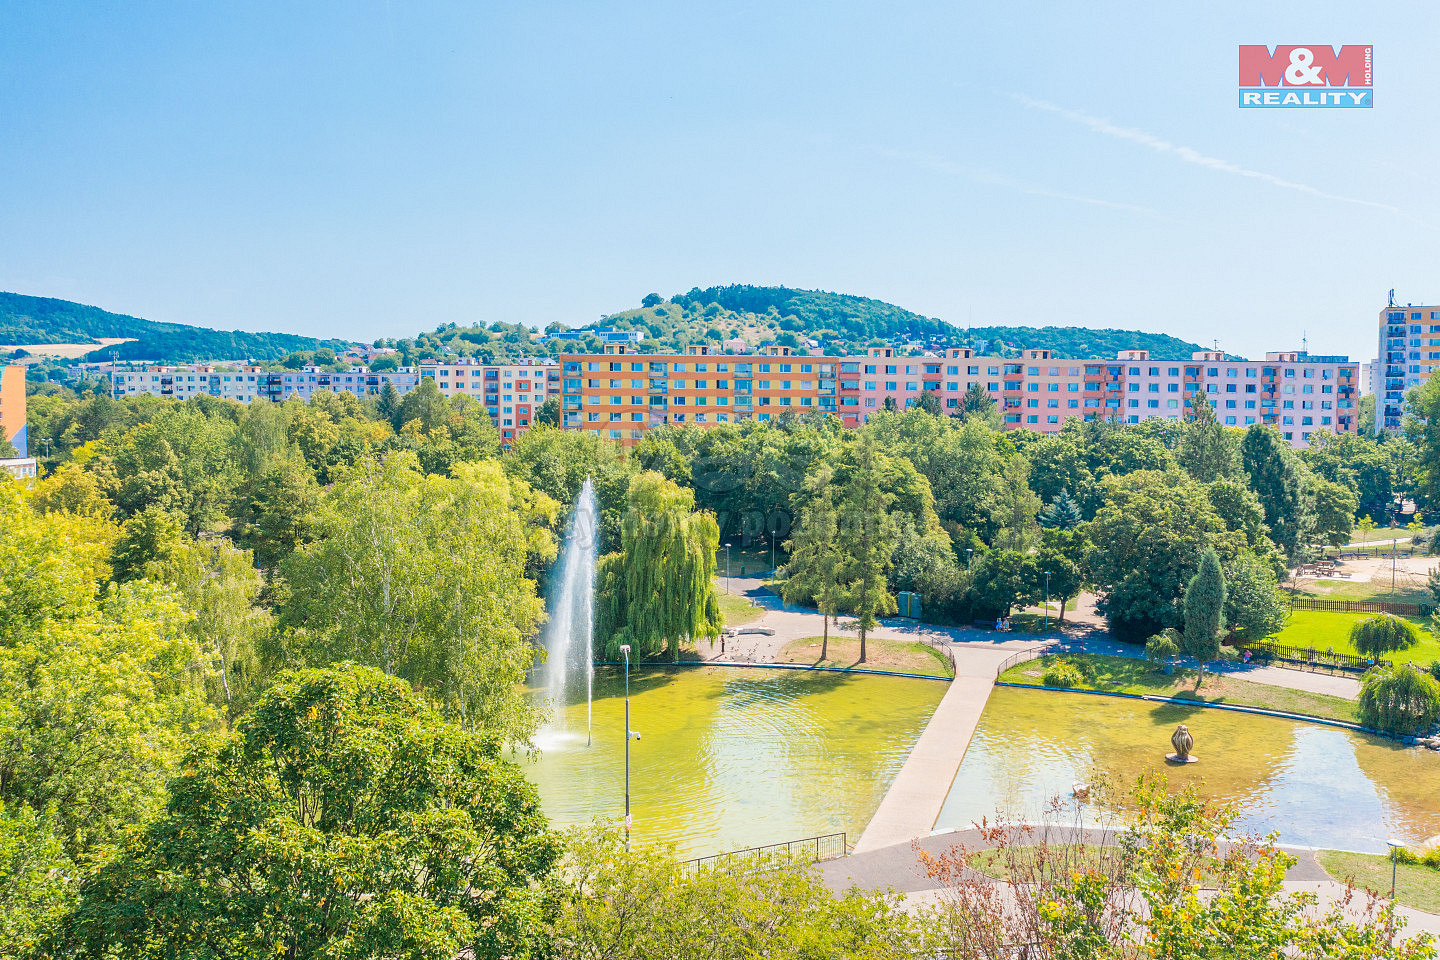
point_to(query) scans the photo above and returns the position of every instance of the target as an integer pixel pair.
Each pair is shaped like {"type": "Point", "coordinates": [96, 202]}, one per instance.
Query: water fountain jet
{"type": "Point", "coordinates": [569, 636]}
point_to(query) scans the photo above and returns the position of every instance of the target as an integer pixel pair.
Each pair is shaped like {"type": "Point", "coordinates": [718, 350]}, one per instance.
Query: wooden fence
{"type": "Point", "coordinates": [1359, 606]}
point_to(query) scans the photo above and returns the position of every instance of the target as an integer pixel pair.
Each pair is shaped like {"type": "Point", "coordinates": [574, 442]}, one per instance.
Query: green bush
{"type": "Point", "coordinates": [1062, 673]}
{"type": "Point", "coordinates": [1406, 856]}
{"type": "Point", "coordinates": [1399, 700]}
{"type": "Point", "coordinates": [1431, 857]}
{"type": "Point", "coordinates": [1163, 646]}
{"type": "Point", "coordinates": [1379, 635]}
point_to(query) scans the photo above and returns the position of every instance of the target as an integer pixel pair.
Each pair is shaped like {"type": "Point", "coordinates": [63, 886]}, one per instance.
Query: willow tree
{"type": "Point", "coordinates": [658, 590]}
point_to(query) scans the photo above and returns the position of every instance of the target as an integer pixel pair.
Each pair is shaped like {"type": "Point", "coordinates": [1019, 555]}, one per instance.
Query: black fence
{"type": "Point", "coordinates": [1015, 659]}
{"type": "Point", "coordinates": [1360, 606]}
{"type": "Point", "coordinates": [1311, 657]}
{"type": "Point", "coordinates": [830, 846]}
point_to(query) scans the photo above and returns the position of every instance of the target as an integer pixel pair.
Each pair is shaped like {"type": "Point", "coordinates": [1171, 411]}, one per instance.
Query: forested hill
{"type": "Point", "coordinates": [1084, 343]}
{"type": "Point", "coordinates": [843, 323]}
{"type": "Point", "coordinates": [36, 320]}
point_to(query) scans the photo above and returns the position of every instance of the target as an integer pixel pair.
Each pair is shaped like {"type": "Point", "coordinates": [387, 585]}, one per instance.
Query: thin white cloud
{"type": "Point", "coordinates": [942, 165]}
{"type": "Point", "coordinates": [1187, 154]}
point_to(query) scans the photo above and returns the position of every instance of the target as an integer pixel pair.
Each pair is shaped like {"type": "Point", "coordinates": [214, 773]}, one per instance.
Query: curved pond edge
{"type": "Point", "coordinates": [773, 666]}
{"type": "Point", "coordinates": [1234, 707]}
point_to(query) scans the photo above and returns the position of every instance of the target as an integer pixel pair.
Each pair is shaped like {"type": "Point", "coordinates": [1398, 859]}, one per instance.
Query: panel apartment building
{"type": "Point", "coordinates": [1409, 351]}
{"type": "Point", "coordinates": [622, 394]}
{"type": "Point", "coordinates": [510, 392]}
{"type": "Point", "coordinates": [249, 383]}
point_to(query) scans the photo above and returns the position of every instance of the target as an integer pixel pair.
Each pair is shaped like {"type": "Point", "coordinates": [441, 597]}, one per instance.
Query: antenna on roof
{"type": "Point", "coordinates": [1392, 296]}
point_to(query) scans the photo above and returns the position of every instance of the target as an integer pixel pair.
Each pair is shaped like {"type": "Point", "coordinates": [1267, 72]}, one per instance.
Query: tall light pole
{"type": "Point", "coordinates": [969, 555]}
{"type": "Point", "coordinates": [1394, 545]}
{"type": "Point", "coordinates": [772, 553]}
{"type": "Point", "coordinates": [1047, 601]}
{"type": "Point", "coordinates": [1395, 846]}
{"type": "Point", "coordinates": [625, 649]}
{"type": "Point", "coordinates": [727, 566]}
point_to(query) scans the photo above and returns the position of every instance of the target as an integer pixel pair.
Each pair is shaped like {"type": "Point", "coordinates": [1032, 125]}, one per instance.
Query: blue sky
{"type": "Point", "coordinates": [373, 169]}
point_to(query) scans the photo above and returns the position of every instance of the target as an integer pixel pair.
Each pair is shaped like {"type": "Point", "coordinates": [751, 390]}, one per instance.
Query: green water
{"type": "Point", "coordinates": [733, 757]}
{"type": "Point", "coordinates": [1313, 785]}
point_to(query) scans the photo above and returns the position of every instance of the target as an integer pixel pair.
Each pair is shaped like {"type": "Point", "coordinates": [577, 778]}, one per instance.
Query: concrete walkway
{"type": "Point", "coordinates": [912, 804]}
{"type": "Point", "coordinates": [898, 868]}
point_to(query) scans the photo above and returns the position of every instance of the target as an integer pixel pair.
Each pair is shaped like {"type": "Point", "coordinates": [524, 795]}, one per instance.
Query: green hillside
{"type": "Point", "coordinates": [35, 320]}
{"type": "Point", "coordinates": [840, 323]}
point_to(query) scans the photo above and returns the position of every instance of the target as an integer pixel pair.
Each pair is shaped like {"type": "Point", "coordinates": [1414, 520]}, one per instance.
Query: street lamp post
{"type": "Point", "coordinates": [625, 649]}
{"type": "Point", "coordinates": [727, 567]}
{"type": "Point", "coordinates": [772, 553]}
{"type": "Point", "coordinates": [969, 555]}
{"type": "Point", "coordinates": [1395, 846]}
{"type": "Point", "coordinates": [1047, 601]}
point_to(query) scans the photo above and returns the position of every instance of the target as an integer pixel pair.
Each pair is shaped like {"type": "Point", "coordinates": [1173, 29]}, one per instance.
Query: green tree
{"type": "Point", "coordinates": [1206, 450]}
{"type": "Point", "coordinates": [1061, 513]}
{"type": "Point", "coordinates": [1255, 607]}
{"type": "Point", "coordinates": [424, 577]}
{"type": "Point", "coordinates": [644, 904]}
{"type": "Point", "coordinates": [548, 413]}
{"type": "Point", "coordinates": [181, 461]}
{"type": "Point", "coordinates": [220, 587]}
{"type": "Point", "coordinates": [1000, 581]}
{"type": "Point", "coordinates": [37, 880]}
{"type": "Point", "coordinates": [1422, 427]}
{"type": "Point", "coordinates": [1164, 646]}
{"type": "Point", "coordinates": [278, 512]}
{"type": "Point", "coordinates": [811, 574]}
{"type": "Point", "coordinates": [867, 535]}
{"type": "Point", "coordinates": [153, 534]}
{"type": "Point", "coordinates": [977, 400]}
{"type": "Point", "coordinates": [1376, 636]}
{"type": "Point", "coordinates": [1205, 610]}
{"type": "Point", "coordinates": [658, 591]}
{"type": "Point", "coordinates": [1332, 509]}
{"type": "Point", "coordinates": [1062, 552]}
{"type": "Point", "coordinates": [101, 687]}
{"type": "Point", "coordinates": [1399, 699]}
{"type": "Point", "coordinates": [343, 819]}
{"type": "Point", "coordinates": [1016, 507]}
{"type": "Point", "coordinates": [1275, 474]}
{"type": "Point", "coordinates": [929, 403]}
{"type": "Point", "coordinates": [1146, 539]}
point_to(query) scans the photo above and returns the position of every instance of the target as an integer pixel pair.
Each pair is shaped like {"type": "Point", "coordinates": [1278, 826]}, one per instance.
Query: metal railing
{"type": "Point", "coordinates": [829, 846]}
{"type": "Point", "coordinates": [1311, 657]}
{"type": "Point", "coordinates": [1015, 659]}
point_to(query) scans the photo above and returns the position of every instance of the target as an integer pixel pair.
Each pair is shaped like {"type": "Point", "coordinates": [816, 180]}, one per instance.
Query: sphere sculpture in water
{"type": "Point", "coordinates": [1183, 744]}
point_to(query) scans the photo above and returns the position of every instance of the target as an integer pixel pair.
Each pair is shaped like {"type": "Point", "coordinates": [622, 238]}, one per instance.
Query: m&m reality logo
{"type": "Point", "coordinates": [1306, 76]}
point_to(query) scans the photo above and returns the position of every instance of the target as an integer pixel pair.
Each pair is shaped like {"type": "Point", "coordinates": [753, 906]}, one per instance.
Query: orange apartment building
{"type": "Point", "coordinates": [620, 394]}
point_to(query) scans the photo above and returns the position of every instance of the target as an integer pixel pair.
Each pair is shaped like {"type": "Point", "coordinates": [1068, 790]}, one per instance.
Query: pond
{"type": "Point", "coordinates": [1314, 785]}
{"type": "Point", "coordinates": [733, 757]}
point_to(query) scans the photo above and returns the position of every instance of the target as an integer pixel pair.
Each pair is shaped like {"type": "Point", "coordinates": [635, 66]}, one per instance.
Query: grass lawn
{"type": "Point", "coordinates": [1383, 533]}
{"type": "Point", "coordinates": [1415, 886]}
{"type": "Point", "coordinates": [735, 609]}
{"type": "Point", "coordinates": [1406, 591]}
{"type": "Point", "coordinates": [1128, 675]}
{"type": "Point", "coordinates": [752, 560]}
{"type": "Point", "coordinates": [896, 656]}
{"type": "Point", "coordinates": [1324, 630]}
